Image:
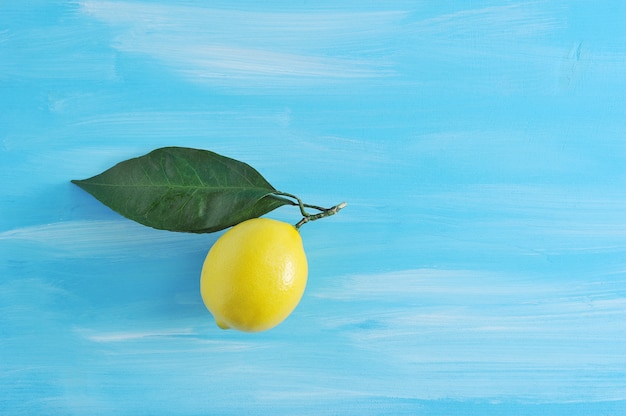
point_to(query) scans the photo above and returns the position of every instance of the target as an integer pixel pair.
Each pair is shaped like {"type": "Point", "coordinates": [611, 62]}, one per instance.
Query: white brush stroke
{"type": "Point", "coordinates": [454, 327]}
{"type": "Point", "coordinates": [412, 302]}
{"type": "Point", "coordinates": [186, 340]}
{"type": "Point", "coordinates": [133, 336]}
{"type": "Point", "coordinates": [508, 22]}
{"type": "Point", "coordinates": [235, 47]}
{"type": "Point", "coordinates": [120, 238]}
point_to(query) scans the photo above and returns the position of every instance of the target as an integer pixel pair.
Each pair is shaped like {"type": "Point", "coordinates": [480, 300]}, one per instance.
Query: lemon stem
{"type": "Point", "coordinates": [307, 217]}
{"type": "Point", "coordinates": [323, 214]}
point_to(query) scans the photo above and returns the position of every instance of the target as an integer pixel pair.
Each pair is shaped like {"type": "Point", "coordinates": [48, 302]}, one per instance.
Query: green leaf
{"type": "Point", "coordinates": [183, 189]}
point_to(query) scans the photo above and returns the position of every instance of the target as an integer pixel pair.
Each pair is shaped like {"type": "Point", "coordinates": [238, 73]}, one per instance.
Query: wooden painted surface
{"type": "Point", "coordinates": [480, 268]}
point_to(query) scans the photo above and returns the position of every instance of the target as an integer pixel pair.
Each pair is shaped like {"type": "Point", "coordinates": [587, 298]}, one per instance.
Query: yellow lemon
{"type": "Point", "coordinates": [254, 275]}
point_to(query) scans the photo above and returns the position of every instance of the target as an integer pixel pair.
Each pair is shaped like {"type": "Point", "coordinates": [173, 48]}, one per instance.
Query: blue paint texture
{"type": "Point", "coordinates": [479, 269]}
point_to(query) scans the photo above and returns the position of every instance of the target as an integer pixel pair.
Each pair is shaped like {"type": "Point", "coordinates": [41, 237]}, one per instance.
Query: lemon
{"type": "Point", "coordinates": [254, 275]}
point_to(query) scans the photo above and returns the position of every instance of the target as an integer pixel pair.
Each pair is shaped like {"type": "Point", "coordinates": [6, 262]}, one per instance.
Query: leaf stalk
{"type": "Point", "coordinates": [306, 216]}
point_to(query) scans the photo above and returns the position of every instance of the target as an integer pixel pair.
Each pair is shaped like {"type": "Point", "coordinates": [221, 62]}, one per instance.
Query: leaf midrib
{"type": "Point", "coordinates": [170, 186]}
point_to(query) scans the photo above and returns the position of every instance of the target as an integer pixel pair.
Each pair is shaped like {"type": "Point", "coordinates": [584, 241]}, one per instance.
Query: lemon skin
{"type": "Point", "coordinates": [254, 275]}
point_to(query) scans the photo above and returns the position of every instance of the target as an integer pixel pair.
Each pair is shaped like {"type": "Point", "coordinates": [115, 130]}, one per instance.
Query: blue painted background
{"type": "Point", "coordinates": [480, 267]}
